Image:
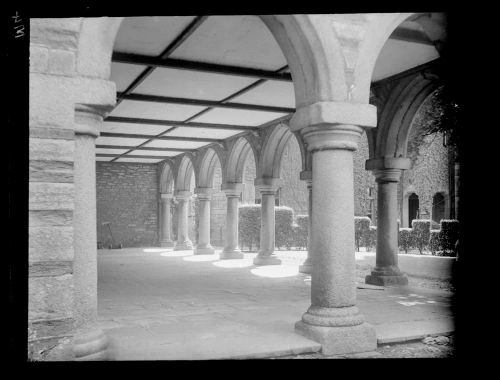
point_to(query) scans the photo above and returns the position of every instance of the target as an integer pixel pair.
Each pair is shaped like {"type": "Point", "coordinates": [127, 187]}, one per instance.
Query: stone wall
{"type": "Point", "coordinates": [53, 48]}
{"type": "Point", "coordinates": [127, 196]}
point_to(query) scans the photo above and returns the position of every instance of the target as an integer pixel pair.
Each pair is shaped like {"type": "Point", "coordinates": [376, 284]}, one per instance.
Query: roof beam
{"type": "Point", "coordinates": [172, 123]}
{"type": "Point", "coordinates": [193, 25]}
{"type": "Point", "coordinates": [204, 103]}
{"type": "Point", "coordinates": [425, 66]}
{"type": "Point", "coordinates": [181, 64]}
{"type": "Point", "coordinates": [131, 156]}
{"type": "Point", "coordinates": [172, 138]}
{"type": "Point", "coordinates": [411, 35]}
{"type": "Point", "coordinates": [144, 148]}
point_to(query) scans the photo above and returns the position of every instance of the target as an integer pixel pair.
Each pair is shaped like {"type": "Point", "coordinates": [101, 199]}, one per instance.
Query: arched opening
{"type": "Point", "coordinates": [438, 207]}
{"type": "Point", "coordinates": [413, 208]}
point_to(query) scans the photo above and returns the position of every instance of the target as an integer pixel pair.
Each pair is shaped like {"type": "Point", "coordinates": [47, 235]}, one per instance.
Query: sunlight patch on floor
{"type": "Point", "coordinates": [276, 271]}
{"type": "Point", "coordinates": [177, 253]}
{"type": "Point", "coordinates": [237, 263]}
{"type": "Point", "coordinates": [198, 258]}
{"type": "Point", "coordinates": [156, 249]}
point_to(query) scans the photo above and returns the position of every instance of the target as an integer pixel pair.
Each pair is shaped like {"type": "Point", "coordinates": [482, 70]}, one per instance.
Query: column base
{"type": "Point", "coordinates": [383, 280]}
{"type": "Point", "coordinates": [184, 246]}
{"type": "Point", "coordinates": [229, 255]}
{"type": "Point", "coordinates": [166, 243]}
{"type": "Point", "coordinates": [306, 267]}
{"type": "Point", "coordinates": [206, 250]}
{"type": "Point", "coordinates": [340, 340]}
{"type": "Point", "coordinates": [266, 260]}
{"type": "Point", "coordinates": [91, 345]}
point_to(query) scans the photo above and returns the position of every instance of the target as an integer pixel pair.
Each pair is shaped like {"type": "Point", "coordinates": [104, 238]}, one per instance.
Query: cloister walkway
{"type": "Point", "coordinates": [159, 304]}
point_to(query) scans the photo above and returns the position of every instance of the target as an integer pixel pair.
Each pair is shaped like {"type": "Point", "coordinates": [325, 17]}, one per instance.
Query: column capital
{"type": "Point", "coordinates": [387, 175]}
{"type": "Point", "coordinates": [388, 163]}
{"type": "Point", "coordinates": [328, 113]}
{"type": "Point", "coordinates": [166, 196]}
{"type": "Point", "coordinates": [232, 189]}
{"type": "Point", "coordinates": [88, 119]}
{"type": "Point", "coordinates": [182, 194]}
{"type": "Point", "coordinates": [267, 185]}
{"type": "Point", "coordinates": [203, 193]}
{"type": "Point", "coordinates": [332, 137]}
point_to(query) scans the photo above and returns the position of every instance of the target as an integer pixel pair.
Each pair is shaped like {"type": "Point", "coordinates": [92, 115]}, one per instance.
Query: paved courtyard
{"type": "Point", "coordinates": [159, 304]}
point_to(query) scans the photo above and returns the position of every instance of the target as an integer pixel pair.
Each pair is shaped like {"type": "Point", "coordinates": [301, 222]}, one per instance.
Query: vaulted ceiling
{"type": "Point", "coordinates": [187, 82]}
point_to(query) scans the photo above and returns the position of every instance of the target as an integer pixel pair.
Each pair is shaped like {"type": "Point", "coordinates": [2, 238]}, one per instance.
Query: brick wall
{"type": "Point", "coordinates": [127, 196]}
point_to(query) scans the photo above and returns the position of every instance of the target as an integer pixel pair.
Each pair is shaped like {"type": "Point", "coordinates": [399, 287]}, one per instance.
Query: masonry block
{"type": "Point", "coordinates": [51, 196]}
{"type": "Point", "coordinates": [50, 243]}
{"type": "Point", "coordinates": [39, 58]}
{"type": "Point", "coordinates": [61, 62]}
{"type": "Point", "coordinates": [50, 297]}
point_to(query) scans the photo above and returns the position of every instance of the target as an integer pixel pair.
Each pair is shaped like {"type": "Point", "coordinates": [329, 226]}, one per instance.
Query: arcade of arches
{"type": "Point", "coordinates": [329, 84]}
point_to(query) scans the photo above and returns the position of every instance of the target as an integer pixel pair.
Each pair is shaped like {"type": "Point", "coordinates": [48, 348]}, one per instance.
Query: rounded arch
{"type": "Point", "coordinates": [272, 150]}
{"type": "Point", "coordinates": [167, 178]}
{"type": "Point", "coordinates": [308, 42]}
{"type": "Point", "coordinates": [237, 155]}
{"type": "Point", "coordinates": [399, 112]}
{"type": "Point", "coordinates": [206, 165]}
{"type": "Point", "coordinates": [378, 31]}
{"type": "Point", "coordinates": [184, 173]}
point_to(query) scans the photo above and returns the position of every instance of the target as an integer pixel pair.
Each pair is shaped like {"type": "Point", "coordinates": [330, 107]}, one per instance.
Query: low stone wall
{"type": "Point", "coordinates": [425, 266]}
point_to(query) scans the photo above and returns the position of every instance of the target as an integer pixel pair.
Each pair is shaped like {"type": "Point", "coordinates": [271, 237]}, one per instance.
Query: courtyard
{"type": "Point", "coordinates": [159, 304]}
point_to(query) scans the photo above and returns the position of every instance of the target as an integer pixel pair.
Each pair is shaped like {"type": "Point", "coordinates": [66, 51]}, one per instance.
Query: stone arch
{"type": "Point", "coordinates": [399, 112]}
{"type": "Point", "coordinates": [238, 151]}
{"type": "Point", "coordinates": [308, 42]}
{"type": "Point", "coordinates": [184, 172]}
{"type": "Point", "coordinates": [167, 178]}
{"type": "Point", "coordinates": [272, 150]}
{"type": "Point", "coordinates": [377, 32]}
{"type": "Point", "coordinates": [206, 164]}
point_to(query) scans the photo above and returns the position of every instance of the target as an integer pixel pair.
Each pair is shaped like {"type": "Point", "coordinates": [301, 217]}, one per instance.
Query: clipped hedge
{"type": "Point", "coordinates": [421, 231]}
{"type": "Point", "coordinates": [301, 231]}
{"type": "Point", "coordinates": [405, 239]}
{"type": "Point", "coordinates": [371, 238]}
{"type": "Point", "coordinates": [249, 226]}
{"type": "Point", "coordinates": [361, 230]}
{"type": "Point", "coordinates": [283, 227]}
{"type": "Point", "coordinates": [435, 242]}
{"type": "Point", "coordinates": [449, 236]}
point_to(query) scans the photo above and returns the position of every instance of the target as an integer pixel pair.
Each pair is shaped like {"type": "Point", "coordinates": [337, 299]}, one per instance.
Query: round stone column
{"type": "Point", "coordinates": [183, 242]}
{"type": "Point", "coordinates": [386, 271]}
{"type": "Point", "coordinates": [89, 341]}
{"type": "Point", "coordinates": [231, 249]}
{"type": "Point", "coordinates": [306, 266]}
{"type": "Point", "coordinates": [333, 318]}
{"type": "Point", "coordinates": [166, 220]}
{"type": "Point", "coordinates": [204, 247]}
{"type": "Point", "coordinates": [268, 188]}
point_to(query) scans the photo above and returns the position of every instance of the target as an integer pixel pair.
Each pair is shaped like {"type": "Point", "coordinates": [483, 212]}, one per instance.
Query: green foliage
{"type": "Point", "coordinates": [435, 242]}
{"type": "Point", "coordinates": [449, 236]}
{"type": "Point", "coordinates": [283, 227]}
{"type": "Point", "coordinates": [421, 231]}
{"type": "Point", "coordinates": [301, 231]}
{"type": "Point", "coordinates": [249, 226]}
{"type": "Point", "coordinates": [361, 230]}
{"type": "Point", "coordinates": [405, 239]}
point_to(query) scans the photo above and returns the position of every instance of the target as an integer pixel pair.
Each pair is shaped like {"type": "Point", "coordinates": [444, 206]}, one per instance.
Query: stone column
{"type": "Point", "coordinates": [204, 247]}
{"type": "Point", "coordinates": [183, 242]}
{"type": "Point", "coordinates": [387, 174]}
{"type": "Point", "coordinates": [333, 319]}
{"type": "Point", "coordinates": [89, 341]}
{"type": "Point", "coordinates": [166, 220]}
{"type": "Point", "coordinates": [306, 266]}
{"type": "Point", "coordinates": [268, 188]}
{"type": "Point", "coordinates": [231, 250]}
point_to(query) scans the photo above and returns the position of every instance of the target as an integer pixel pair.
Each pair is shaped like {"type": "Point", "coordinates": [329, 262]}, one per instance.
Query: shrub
{"type": "Point", "coordinates": [435, 242]}
{"type": "Point", "coordinates": [449, 235]}
{"type": "Point", "coordinates": [249, 226]}
{"type": "Point", "coordinates": [371, 238]}
{"type": "Point", "coordinates": [283, 227]}
{"type": "Point", "coordinates": [421, 231]}
{"type": "Point", "coordinates": [301, 231]}
{"type": "Point", "coordinates": [361, 228]}
{"type": "Point", "coordinates": [405, 239]}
